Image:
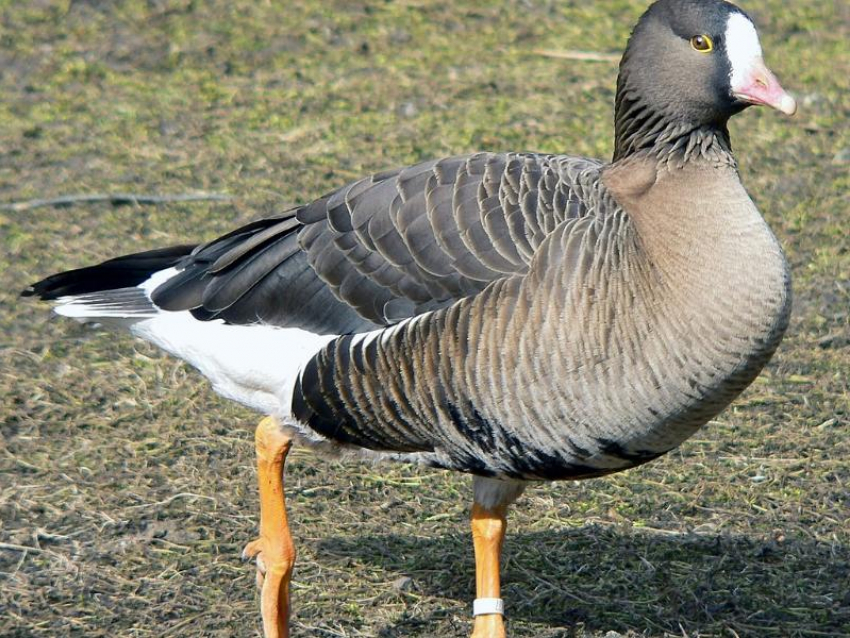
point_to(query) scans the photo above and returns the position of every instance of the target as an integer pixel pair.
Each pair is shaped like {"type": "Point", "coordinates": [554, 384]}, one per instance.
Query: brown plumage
{"type": "Point", "coordinates": [623, 334]}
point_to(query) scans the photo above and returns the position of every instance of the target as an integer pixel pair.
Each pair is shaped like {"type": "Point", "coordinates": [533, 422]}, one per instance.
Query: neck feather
{"type": "Point", "coordinates": [643, 129]}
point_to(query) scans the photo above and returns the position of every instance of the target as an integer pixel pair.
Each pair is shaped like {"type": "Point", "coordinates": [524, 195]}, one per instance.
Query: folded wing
{"type": "Point", "coordinates": [385, 248]}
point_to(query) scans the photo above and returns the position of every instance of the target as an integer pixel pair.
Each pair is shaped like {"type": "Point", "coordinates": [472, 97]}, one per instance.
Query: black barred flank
{"type": "Point", "coordinates": [637, 457]}
{"type": "Point", "coordinates": [328, 399]}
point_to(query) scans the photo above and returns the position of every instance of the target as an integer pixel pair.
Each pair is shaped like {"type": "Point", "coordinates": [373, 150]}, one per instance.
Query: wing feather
{"type": "Point", "coordinates": [387, 247]}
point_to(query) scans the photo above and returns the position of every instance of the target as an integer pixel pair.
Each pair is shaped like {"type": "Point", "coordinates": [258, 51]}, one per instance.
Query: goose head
{"type": "Point", "coordinates": [691, 64]}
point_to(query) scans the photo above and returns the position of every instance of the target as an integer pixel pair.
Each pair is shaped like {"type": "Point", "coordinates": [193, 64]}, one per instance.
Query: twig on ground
{"type": "Point", "coordinates": [173, 498]}
{"type": "Point", "coordinates": [116, 199]}
{"type": "Point", "coordinates": [582, 56]}
{"type": "Point", "coordinates": [21, 548]}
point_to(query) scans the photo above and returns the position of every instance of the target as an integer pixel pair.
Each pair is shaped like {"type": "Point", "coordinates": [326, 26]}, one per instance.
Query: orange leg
{"type": "Point", "coordinates": [273, 550]}
{"type": "Point", "coordinates": [488, 532]}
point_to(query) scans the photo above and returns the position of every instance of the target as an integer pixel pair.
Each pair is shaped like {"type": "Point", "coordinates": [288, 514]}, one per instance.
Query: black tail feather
{"type": "Point", "coordinates": [121, 272]}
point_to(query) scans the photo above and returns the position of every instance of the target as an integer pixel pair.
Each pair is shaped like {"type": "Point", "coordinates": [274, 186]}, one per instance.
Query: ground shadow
{"type": "Point", "coordinates": [608, 578]}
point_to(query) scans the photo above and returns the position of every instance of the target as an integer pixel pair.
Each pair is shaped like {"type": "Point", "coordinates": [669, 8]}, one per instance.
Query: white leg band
{"type": "Point", "coordinates": [484, 606]}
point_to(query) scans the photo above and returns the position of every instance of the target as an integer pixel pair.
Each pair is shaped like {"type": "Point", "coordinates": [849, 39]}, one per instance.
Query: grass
{"type": "Point", "coordinates": [128, 488]}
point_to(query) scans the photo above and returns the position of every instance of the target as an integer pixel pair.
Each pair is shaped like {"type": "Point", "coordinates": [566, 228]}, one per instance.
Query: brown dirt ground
{"type": "Point", "coordinates": [127, 488]}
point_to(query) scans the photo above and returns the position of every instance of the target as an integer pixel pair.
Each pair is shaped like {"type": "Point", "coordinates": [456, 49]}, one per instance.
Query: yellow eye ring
{"type": "Point", "coordinates": [702, 43]}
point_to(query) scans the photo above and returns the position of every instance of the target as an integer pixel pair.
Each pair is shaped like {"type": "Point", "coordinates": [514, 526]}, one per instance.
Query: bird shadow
{"type": "Point", "coordinates": [603, 578]}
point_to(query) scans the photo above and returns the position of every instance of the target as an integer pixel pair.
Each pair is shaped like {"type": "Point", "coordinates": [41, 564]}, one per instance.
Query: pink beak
{"type": "Point", "coordinates": [760, 86]}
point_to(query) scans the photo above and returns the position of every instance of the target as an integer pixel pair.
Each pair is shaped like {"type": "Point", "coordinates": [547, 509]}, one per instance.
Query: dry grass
{"type": "Point", "coordinates": [128, 488]}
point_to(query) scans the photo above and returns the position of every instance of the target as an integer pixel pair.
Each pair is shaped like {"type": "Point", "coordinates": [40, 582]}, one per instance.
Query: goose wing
{"type": "Point", "coordinates": [387, 247]}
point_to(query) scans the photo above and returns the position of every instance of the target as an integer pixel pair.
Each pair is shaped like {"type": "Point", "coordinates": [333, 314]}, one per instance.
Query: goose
{"type": "Point", "coordinates": [518, 317]}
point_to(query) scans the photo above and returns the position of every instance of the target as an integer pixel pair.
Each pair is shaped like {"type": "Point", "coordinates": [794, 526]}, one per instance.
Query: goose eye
{"type": "Point", "coordinates": [702, 43]}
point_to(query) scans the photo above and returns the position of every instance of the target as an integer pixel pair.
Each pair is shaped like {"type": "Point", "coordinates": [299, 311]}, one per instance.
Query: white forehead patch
{"type": "Point", "coordinates": [742, 46]}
